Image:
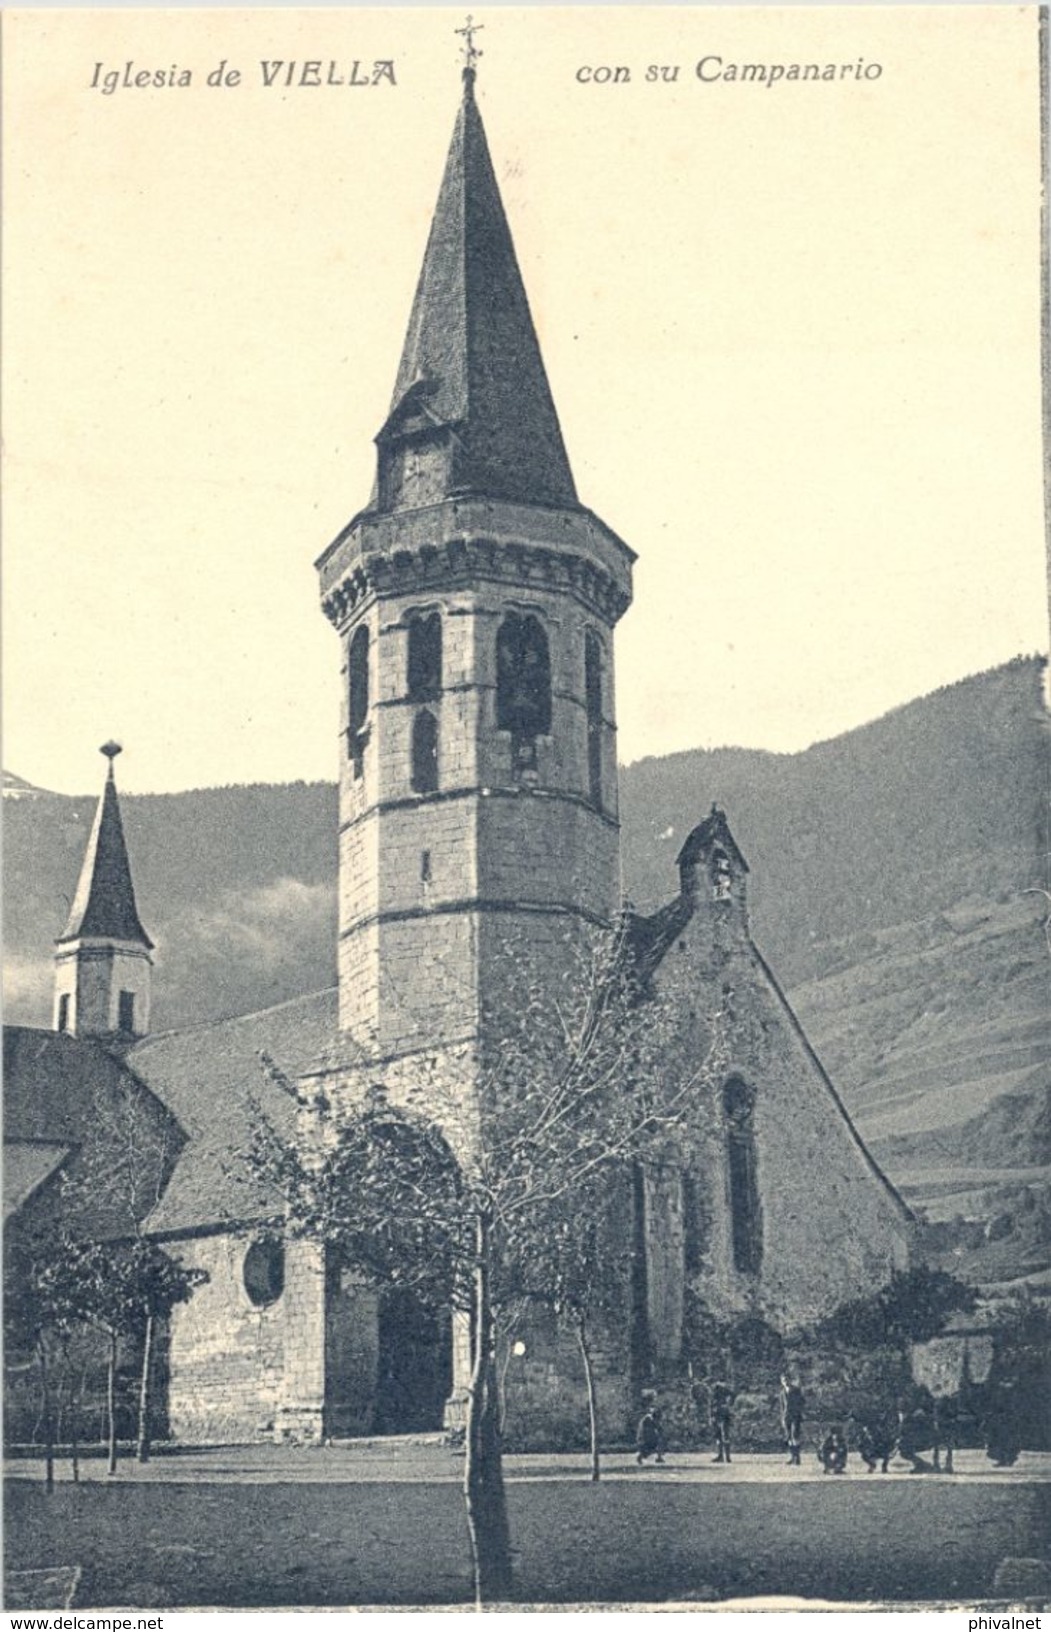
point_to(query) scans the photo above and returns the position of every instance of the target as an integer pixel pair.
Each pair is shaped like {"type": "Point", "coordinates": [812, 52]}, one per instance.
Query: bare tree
{"type": "Point", "coordinates": [578, 1076]}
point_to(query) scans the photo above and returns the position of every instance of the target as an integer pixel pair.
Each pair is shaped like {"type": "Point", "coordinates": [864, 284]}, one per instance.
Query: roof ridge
{"type": "Point", "coordinates": [228, 1020]}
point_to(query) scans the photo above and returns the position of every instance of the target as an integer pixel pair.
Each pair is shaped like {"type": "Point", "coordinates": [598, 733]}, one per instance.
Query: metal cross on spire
{"type": "Point", "coordinates": [470, 51]}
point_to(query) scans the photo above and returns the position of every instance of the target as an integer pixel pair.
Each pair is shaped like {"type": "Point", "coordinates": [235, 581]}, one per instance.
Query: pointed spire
{"type": "Point", "coordinates": [104, 905]}
{"type": "Point", "coordinates": [472, 379]}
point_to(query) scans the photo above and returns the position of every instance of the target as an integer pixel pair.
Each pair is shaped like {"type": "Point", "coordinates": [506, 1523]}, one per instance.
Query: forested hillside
{"type": "Point", "coordinates": [895, 887]}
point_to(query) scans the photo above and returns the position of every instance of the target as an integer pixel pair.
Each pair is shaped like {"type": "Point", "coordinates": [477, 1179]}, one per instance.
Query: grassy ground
{"type": "Point", "coordinates": [393, 1532]}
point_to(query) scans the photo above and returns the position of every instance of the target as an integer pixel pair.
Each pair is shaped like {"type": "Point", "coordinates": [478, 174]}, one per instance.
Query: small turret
{"type": "Point", "coordinates": [102, 958]}
{"type": "Point", "coordinates": [711, 867]}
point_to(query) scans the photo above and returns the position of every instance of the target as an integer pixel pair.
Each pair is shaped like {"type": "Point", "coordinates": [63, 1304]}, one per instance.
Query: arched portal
{"type": "Point", "coordinates": [390, 1269]}
{"type": "Point", "coordinates": [414, 1370]}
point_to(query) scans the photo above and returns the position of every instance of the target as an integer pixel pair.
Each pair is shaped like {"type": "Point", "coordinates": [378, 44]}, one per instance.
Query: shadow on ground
{"type": "Point", "coordinates": [172, 1544]}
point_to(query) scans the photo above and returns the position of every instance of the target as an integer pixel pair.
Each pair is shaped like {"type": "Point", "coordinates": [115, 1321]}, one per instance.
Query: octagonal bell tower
{"type": "Point", "coordinates": [475, 600]}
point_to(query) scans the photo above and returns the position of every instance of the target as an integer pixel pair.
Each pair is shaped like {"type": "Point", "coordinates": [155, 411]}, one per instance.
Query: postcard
{"type": "Point", "coordinates": [538, 1016]}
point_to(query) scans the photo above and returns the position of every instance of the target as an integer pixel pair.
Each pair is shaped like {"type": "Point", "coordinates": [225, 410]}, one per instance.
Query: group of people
{"type": "Point", "coordinates": [718, 1398]}
{"type": "Point", "coordinates": [876, 1440]}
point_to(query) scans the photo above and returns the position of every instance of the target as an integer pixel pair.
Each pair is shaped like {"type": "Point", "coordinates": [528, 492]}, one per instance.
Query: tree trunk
{"type": "Point", "coordinates": [111, 1404]}
{"type": "Point", "coordinates": [143, 1448]}
{"type": "Point", "coordinates": [77, 1389]}
{"type": "Point", "coordinates": [49, 1422]}
{"type": "Point", "coordinates": [483, 1474]}
{"type": "Point", "coordinates": [589, 1375]}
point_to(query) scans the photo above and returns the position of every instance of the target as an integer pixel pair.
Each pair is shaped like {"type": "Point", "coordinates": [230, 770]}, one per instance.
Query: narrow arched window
{"type": "Point", "coordinates": [523, 685]}
{"type": "Point", "coordinates": [425, 658]}
{"type": "Point", "coordinates": [722, 876]}
{"type": "Point", "coordinates": [745, 1213]}
{"type": "Point", "coordinates": [593, 702]}
{"type": "Point", "coordinates": [358, 699]}
{"type": "Point", "coordinates": [425, 752]}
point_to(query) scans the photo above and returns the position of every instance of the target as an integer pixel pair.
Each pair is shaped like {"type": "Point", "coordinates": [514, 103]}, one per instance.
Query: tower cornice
{"type": "Point", "coordinates": [452, 545]}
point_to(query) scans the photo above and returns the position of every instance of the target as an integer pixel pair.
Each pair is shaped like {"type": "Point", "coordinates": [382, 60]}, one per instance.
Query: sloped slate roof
{"type": "Point", "coordinates": [26, 1168]}
{"type": "Point", "coordinates": [647, 939]}
{"type": "Point", "coordinates": [471, 359]}
{"type": "Point", "coordinates": [215, 1081]}
{"type": "Point", "coordinates": [74, 1098]}
{"type": "Point", "coordinates": [52, 1083]}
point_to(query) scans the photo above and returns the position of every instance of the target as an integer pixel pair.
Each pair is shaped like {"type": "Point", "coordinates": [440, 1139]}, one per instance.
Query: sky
{"type": "Point", "coordinates": [791, 329]}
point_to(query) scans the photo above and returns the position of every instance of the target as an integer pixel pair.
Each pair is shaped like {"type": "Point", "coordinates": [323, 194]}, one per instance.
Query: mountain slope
{"type": "Point", "coordinates": [896, 888]}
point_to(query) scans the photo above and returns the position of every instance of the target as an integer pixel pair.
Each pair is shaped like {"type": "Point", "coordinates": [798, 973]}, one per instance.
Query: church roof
{"type": "Point", "coordinates": [216, 1080]}
{"type": "Point", "coordinates": [52, 1082]}
{"type": "Point", "coordinates": [65, 1100]}
{"type": "Point", "coordinates": [26, 1168]}
{"type": "Point", "coordinates": [471, 360]}
{"type": "Point", "coordinates": [104, 904]}
{"type": "Point", "coordinates": [210, 1085]}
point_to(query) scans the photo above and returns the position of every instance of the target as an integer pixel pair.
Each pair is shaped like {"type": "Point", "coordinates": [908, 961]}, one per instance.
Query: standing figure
{"type": "Point", "coordinates": [946, 1422]}
{"type": "Point", "coordinates": [916, 1429]}
{"type": "Point", "coordinates": [792, 1417]}
{"type": "Point", "coordinates": [721, 1408]}
{"type": "Point", "coordinates": [649, 1440]}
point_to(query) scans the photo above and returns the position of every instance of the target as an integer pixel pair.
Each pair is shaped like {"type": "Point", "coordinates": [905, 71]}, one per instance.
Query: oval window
{"type": "Point", "coordinates": [264, 1272]}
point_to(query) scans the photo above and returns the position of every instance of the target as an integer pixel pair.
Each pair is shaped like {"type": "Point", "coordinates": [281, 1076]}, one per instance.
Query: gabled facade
{"type": "Point", "coordinates": [776, 1209]}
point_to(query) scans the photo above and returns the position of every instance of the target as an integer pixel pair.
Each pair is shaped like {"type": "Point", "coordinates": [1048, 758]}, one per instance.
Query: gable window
{"type": "Point", "coordinates": [425, 658]}
{"type": "Point", "coordinates": [63, 1012]}
{"type": "Point", "coordinates": [358, 700]}
{"type": "Point", "coordinates": [722, 877]}
{"type": "Point", "coordinates": [425, 752]}
{"type": "Point", "coordinates": [745, 1212]}
{"type": "Point", "coordinates": [523, 685]}
{"type": "Point", "coordinates": [593, 702]}
{"type": "Point", "coordinates": [126, 1012]}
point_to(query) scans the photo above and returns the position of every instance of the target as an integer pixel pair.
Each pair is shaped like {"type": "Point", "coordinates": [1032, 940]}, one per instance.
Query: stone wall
{"type": "Point", "coordinates": [416, 869]}
{"type": "Point", "coordinates": [830, 1226]}
{"type": "Point", "coordinates": [92, 974]}
{"type": "Point", "coordinates": [545, 1390]}
{"type": "Point", "coordinates": [239, 1372]}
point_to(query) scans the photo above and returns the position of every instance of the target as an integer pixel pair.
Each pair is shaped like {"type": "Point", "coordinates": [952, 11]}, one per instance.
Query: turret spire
{"type": "Point", "coordinates": [102, 957]}
{"type": "Point", "coordinates": [472, 411]}
{"type": "Point", "coordinates": [104, 905]}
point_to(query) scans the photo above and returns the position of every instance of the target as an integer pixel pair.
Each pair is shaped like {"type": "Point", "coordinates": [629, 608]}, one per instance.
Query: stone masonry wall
{"type": "Point", "coordinates": [408, 860]}
{"type": "Point", "coordinates": [237, 1372]}
{"type": "Point", "coordinates": [545, 1391]}
{"type": "Point", "coordinates": [831, 1228]}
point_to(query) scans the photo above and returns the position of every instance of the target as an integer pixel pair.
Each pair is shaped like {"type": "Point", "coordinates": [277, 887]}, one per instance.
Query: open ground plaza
{"type": "Point", "coordinates": [383, 1524]}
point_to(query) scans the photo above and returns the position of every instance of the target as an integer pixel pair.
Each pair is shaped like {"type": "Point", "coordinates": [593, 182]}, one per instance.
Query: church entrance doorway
{"type": "Point", "coordinates": [414, 1373]}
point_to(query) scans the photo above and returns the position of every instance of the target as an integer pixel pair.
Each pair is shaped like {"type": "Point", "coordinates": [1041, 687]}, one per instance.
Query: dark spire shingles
{"type": "Point", "coordinates": [104, 905]}
{"type": "Point", "coordinates": [471, 359]}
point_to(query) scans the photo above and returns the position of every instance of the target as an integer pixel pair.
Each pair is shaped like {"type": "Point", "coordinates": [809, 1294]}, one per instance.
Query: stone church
{"type": "Point", "coordinates": [474, 599]}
